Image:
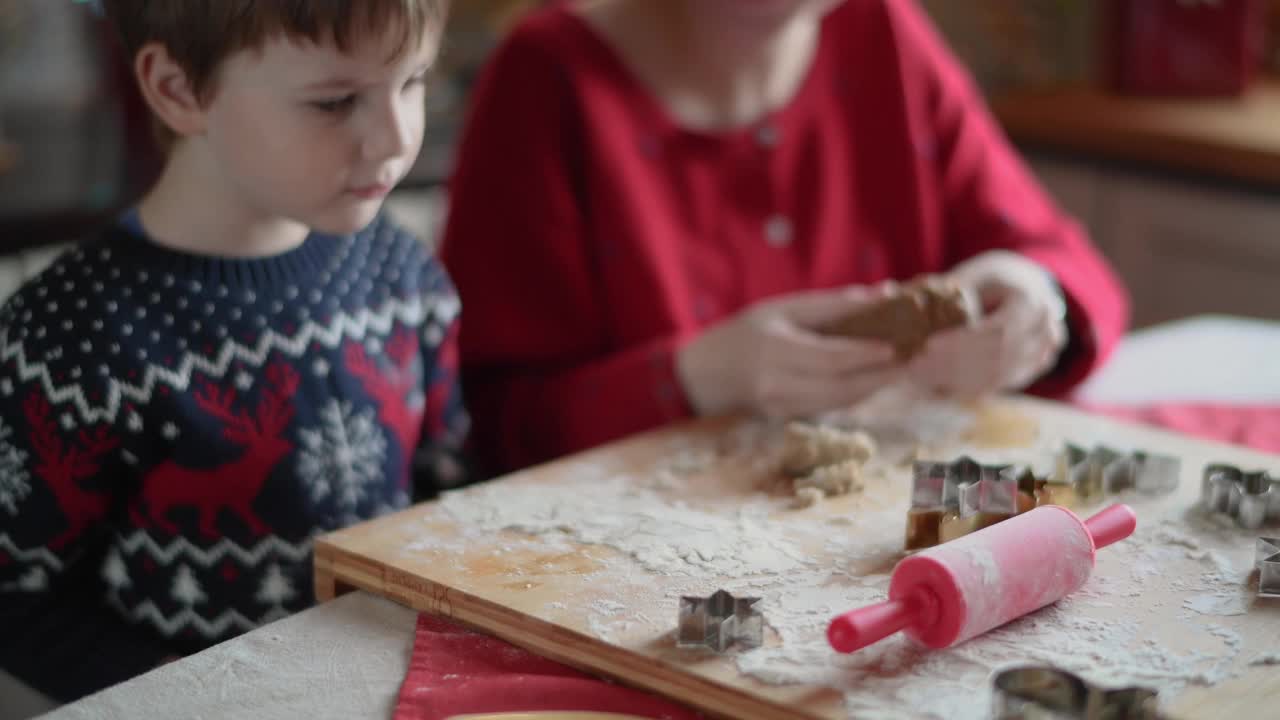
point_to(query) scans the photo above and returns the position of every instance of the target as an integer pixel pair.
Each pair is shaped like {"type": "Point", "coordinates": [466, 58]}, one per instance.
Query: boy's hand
{"type": "Point", "coordinates": [1021, 330]}
{"type": "Point", "coordinates": [770, 359]}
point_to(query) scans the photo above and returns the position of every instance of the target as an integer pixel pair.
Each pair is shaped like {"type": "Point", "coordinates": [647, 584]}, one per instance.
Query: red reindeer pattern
{"type": "Point", "coordinates": [235, 485]}
{"type": "Point", "coordinates": [391, 388]}
{"type": "Point", "coordinates": [62, 467]}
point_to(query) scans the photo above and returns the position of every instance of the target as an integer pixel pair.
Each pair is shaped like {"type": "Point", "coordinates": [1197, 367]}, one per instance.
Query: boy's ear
{"type": "Point", "coordinates": [165, 87]}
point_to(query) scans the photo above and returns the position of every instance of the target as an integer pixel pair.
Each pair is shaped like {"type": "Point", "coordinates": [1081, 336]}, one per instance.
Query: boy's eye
{"type": "Point", "coordinates": [334, 105]}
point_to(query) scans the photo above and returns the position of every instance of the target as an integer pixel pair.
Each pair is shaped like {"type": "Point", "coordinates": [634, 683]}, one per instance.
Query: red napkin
{"type": "Point", "coordinates": [455, 671]}
{"type": "Point", "coordinates": [1255, 426]}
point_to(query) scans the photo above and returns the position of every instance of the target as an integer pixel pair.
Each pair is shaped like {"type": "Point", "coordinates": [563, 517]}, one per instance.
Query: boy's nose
{"type": "Point", "coordinates": [392, 132]}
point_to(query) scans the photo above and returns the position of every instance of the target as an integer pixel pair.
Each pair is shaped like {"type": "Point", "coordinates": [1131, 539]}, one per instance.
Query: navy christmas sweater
{"type": "Point", "coordinates": [176, 429]}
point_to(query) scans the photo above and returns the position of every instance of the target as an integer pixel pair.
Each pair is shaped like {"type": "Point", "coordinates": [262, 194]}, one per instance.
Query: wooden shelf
{"type": "Point", "coordinates": [1234, 138]}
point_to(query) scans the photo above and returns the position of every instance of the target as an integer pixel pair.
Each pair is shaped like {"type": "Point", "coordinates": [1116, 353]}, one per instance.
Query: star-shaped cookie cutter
{"type": "Point", "coordinates": [1267, 560]}
{"type": "Point", "coordinates": [1101, 470]}
{"type": "Point", "coordinates": [718, 621]}
{"type": "Point", "coordinates": [1046, 693]}
{"type": "Point", "coordinates": [1251, 498]}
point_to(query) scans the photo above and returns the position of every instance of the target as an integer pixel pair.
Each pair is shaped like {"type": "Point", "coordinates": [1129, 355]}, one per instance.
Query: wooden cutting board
{"type": "Point", "coordinates": [607, 601]}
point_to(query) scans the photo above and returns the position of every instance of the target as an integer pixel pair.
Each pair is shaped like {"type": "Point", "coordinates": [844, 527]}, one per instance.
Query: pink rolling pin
{"type": "Point", "coordinates": [963, 588]}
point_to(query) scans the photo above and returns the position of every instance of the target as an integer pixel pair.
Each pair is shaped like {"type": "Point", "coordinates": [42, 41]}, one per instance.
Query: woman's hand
{"type": "Point", "coordinates": [770, 358]}
{"type": "Point", "coordinates": [1017, 338]}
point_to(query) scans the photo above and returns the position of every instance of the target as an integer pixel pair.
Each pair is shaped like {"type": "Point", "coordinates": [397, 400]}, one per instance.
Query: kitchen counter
{"type": "Point", "coordinates": [1235, 139]}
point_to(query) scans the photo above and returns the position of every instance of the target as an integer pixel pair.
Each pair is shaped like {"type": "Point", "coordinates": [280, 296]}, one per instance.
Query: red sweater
{"type": "Point", "coordinates": [590, 235]}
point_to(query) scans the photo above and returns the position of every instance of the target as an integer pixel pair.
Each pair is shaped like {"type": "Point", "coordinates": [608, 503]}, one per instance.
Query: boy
{"type": "Point", "coordinates": [251, 357]}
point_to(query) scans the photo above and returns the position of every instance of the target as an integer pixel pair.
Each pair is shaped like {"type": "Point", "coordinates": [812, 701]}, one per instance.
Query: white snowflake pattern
{"type": "Point", "coordinates": [320, 367]}
{"type": "Point", "coordinates": [169, 430]}
{"type": "Point", "coordinates": [342, 459]}
{"type": "Point", "coordinates": [68, 422]}
{"type": "Point", "coordinates": [244, 380]}
{"type": "Point", "coordinates": [128, 457]}
{"type": "Point", "coordinates": [13, 472]}
{"type": "Point", "coordinates": [6, 387]}
{"type": "Point", "coordinates": [135, 422]}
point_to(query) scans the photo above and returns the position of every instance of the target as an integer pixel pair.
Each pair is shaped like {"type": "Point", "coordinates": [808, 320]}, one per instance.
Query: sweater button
{"type": "Point", "coordinates": [767, 136]}
{"type": "Point", "coordinates": [777, 231]}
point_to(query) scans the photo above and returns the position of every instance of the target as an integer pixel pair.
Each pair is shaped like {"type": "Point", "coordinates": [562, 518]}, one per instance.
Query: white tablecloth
{"type": "Point", "coordinates": [344, 659]}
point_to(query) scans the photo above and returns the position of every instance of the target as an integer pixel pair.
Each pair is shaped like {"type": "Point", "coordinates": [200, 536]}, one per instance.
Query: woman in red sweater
{"type": "Point", "coordinates": [656, 204]}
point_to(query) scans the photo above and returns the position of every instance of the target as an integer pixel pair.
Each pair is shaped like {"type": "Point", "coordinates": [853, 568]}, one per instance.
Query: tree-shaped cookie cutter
{"type": "Point", "coordinates": [1250, 497]}
{"type": "Point", "coordinates": [1267, 560]}
{"type": "Point", "coordinates": [719, 621]}
{"type": "Point", "coordinates": [1046, 693]}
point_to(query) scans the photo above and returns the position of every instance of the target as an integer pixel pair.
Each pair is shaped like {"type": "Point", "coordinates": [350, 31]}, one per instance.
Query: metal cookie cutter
{"type": "Point", "coordinates": [1267, 559]}
{"type": "Point", "coordinates": [718, 621]}
{"type": "Point", "coordinates": [1252, 498]}
{"type": "Point", "coordinates": [949, 499]}
{"type": "Point", "coordinates": [1104, 471]}
{"type": "Point", "coordinates": [1045, 693]}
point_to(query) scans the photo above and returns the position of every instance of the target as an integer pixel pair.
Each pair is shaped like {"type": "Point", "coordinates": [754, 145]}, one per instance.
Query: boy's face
{"type": "Point", "coordinates": [312, 134]}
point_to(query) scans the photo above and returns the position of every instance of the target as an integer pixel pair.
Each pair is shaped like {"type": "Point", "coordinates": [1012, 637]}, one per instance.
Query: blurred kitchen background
{"type": "Point", "coordinates": [1156, 122]}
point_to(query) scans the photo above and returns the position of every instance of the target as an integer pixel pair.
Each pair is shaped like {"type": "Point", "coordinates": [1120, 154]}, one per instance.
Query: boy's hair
{"type": "Point", "coordinates": [200, 34]}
